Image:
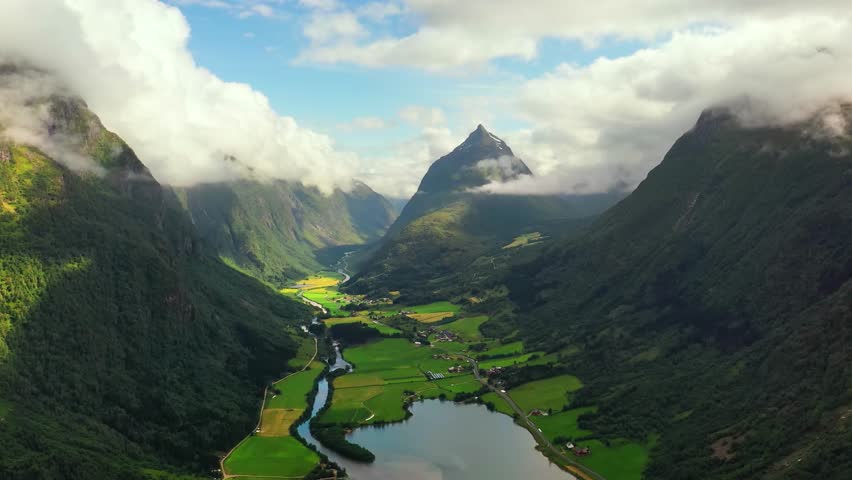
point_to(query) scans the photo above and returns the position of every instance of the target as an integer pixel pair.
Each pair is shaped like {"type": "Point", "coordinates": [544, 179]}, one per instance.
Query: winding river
{"type": "Point", "coordinates": [441, 441]}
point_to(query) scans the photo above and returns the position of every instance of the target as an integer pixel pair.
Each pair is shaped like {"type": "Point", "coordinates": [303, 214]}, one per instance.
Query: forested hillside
{"type": "Point", "coordinates": [274, 230]}
{"type": "Point", "coordinates": [712, 306]}
{"type": "Point", "coordinates": [124, 348]}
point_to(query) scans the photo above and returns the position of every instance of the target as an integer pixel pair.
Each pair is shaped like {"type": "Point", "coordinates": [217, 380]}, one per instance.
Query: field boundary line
{"type": "Point", "coordinates": [260, 418]}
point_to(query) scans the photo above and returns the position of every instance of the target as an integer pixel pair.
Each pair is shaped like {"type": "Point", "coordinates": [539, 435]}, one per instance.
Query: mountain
{"type": "Point", "coordinates": [126, 350]}
{"type": "Point", "coordinates": [481, 159]}
{"type": "Point", "coordinates": [712, 306]}
{"type": "Point", "coordinates": [448, 225]}
{"type": "Point", "coordinates": [277, 230]}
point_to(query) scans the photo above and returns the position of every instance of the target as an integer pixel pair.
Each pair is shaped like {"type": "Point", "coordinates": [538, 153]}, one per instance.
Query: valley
{"type": "Point", "coordinates": [409, 367]}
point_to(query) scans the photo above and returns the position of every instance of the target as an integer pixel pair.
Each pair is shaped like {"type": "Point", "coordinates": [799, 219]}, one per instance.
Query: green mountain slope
{"type": "Point", "coordinates": [447, 225]}
{"type": "Point", "coordinates": [712, 306]}
{"type": "Point", "coordinates": [123, 346]}
{"type": "Point", "coordinates": [274, 230]}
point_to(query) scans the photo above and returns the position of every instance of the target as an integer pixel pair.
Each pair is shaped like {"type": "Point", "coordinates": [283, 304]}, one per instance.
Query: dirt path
{"type": "Point", "coordinates": [260, 419]}
{"type": "Point", "coordinates": [579, 470]}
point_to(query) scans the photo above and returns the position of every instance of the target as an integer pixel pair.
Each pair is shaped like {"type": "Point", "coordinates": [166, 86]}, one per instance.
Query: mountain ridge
{"type": "Point", "coordinates": [117, 327]}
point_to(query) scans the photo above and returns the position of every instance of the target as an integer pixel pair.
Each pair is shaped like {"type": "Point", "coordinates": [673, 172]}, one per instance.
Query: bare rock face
{"type": "Point", "coordinates": [481, 159]}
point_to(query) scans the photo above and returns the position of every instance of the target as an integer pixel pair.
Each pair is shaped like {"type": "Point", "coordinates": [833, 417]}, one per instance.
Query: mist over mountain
{"type": "Point", "coordinates": [448, 223]}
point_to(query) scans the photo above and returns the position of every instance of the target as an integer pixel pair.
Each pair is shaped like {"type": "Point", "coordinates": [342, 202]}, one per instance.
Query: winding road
{"type": "Point", "coordinates": [581, 471]}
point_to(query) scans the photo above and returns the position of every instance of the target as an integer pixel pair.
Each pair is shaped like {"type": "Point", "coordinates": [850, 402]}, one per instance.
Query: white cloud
{"type": "Point", "coordinates": [364, 123]}
{"type": "Point", "coordinates": [453, 34]}
{"type": "Point", "coordinates": [319, 4]}
{"type": "Point", "coordinates": [324, 27]}
{"type": "Point", "coordinates": [378, 11]}
{"type": "Point", "coordinates": [422, 116]}
{"type": "Point", "coordinates": [597, 126]}
{"type": "Point", "coordinates": [249, 35]}
{"type": "Point", "coordinates": [397, 172]}
{"type": "Point", "coordinates": [129, 60]}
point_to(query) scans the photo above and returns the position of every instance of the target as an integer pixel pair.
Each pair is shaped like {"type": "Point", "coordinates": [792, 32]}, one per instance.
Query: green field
{"type": "Point", "coordinates": [331, 299]}
{"type": "Point", "coordinates": [563, 424]}
{"type": "Point", "coordinates": [271, 456]}
{"type": "Point", "coordinates": [499, 403]}
{"type": "Point", "coordinates": [467, 328]}
{"type": "Point", "coordinates": [550, 393]}
{"type": "Point", "coordinates": [295, 388]}
{"type": "Point", "coordinates": [622, 460]}
{"type": "Point", "coordinates": [498, 349]}
{"type": "Point", "coordinates": [385, 370]}
{"type": "Point", "coordinates": [507, 361]}
{"type": "Point", "coordinates": [272, 451]}
{"type": "Point", "coordinates": [435, 307]}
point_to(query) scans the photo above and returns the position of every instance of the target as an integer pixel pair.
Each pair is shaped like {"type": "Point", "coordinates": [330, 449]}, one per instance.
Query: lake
{"type": "Point", "coordinates": [444, 441]}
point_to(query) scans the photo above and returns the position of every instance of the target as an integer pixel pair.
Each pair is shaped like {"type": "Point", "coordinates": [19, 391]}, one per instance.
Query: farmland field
{"type": "Point", "coordinates": [271, 456]}
{"type": "Point", "coordinates": [467, 328]}
{"type": "Point", "coordinates": [563, 424]}
{"type": "Point", "coordinates": [276, 421]}
{"type": "Point", "coordinates": [621, 460]}
{"type": "Point", "coordinates": [502, 349]}
{"type": "Point", "coordinates": [507, 361]}
{"type": "Point", "coordinates": [295, 388]}
{"type": "Point", "coordinates": [430, 317]}
{"type": "Point", "coordinates": [435, 307]}
{"type": "Point", "coordinates": [550, 393]}
{"type": "Point", "coordinates": [499, 404]}
{"type": "Point", "coordinates": [385, 370]}
{"type": "Point", "coordinates": [272, 451]}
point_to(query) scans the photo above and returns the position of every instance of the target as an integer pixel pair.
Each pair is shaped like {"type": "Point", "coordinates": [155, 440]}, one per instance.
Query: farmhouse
{"type": "Point", "coordinates": [538, 413]}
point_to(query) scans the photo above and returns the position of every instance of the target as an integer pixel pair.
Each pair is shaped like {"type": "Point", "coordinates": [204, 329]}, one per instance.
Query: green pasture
{"type": "Point", "coordinates": [550, 393]}
{"type": "Point", "coordinates": [294, 389]}
{"type": "Point", "coordinates": [467, 328]}
{"type": "Point", "coordinates": [563, 424]}
{"type": "Point", "coordinates": [498, 349]}
{"type": "Point", "coordinates": [271, 456]}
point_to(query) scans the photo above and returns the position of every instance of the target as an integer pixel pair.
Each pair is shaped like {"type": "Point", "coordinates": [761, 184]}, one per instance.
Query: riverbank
{"type": "Point", "coordinates": [269, 449]}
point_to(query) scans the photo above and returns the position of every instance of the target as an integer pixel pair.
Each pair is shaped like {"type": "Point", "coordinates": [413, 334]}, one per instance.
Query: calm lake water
{"type": "Point", "coordinates": [444, 441]}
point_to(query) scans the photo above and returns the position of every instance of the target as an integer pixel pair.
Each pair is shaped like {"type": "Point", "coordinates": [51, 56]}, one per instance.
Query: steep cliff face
{"type": "Point", "coordinates": [122, 345]}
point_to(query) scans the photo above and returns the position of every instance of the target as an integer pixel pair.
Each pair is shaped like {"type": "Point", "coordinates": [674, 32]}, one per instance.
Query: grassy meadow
{"type": "Point", "coordinates": [272, 452]}
{"type": "Point", "coordinates": [467, 328]}
{"type": "Point", "coordinates": [550, 393]}
{"type": "Point", "coordinates": [282, 456]}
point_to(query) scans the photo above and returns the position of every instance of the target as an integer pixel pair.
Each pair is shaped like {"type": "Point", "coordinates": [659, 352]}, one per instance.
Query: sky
{"type": "Point", "coordinates": [589, 94]}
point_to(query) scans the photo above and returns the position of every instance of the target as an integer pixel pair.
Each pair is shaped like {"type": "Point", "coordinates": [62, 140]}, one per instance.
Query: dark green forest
{"type": "Point", "coordinates": [127, 350]}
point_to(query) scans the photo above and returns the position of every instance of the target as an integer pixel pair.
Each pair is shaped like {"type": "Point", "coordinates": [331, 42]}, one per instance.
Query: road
{"type": "Point", "coordinates": [579, 470]}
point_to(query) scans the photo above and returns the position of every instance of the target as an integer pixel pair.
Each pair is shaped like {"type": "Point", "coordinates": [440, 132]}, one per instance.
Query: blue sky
{"type": "Point", "coordinates": [263, 51]}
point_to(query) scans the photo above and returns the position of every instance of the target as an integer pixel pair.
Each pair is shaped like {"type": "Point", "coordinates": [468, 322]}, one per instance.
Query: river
{"type": "Point", "coordinates": [442, 441]}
